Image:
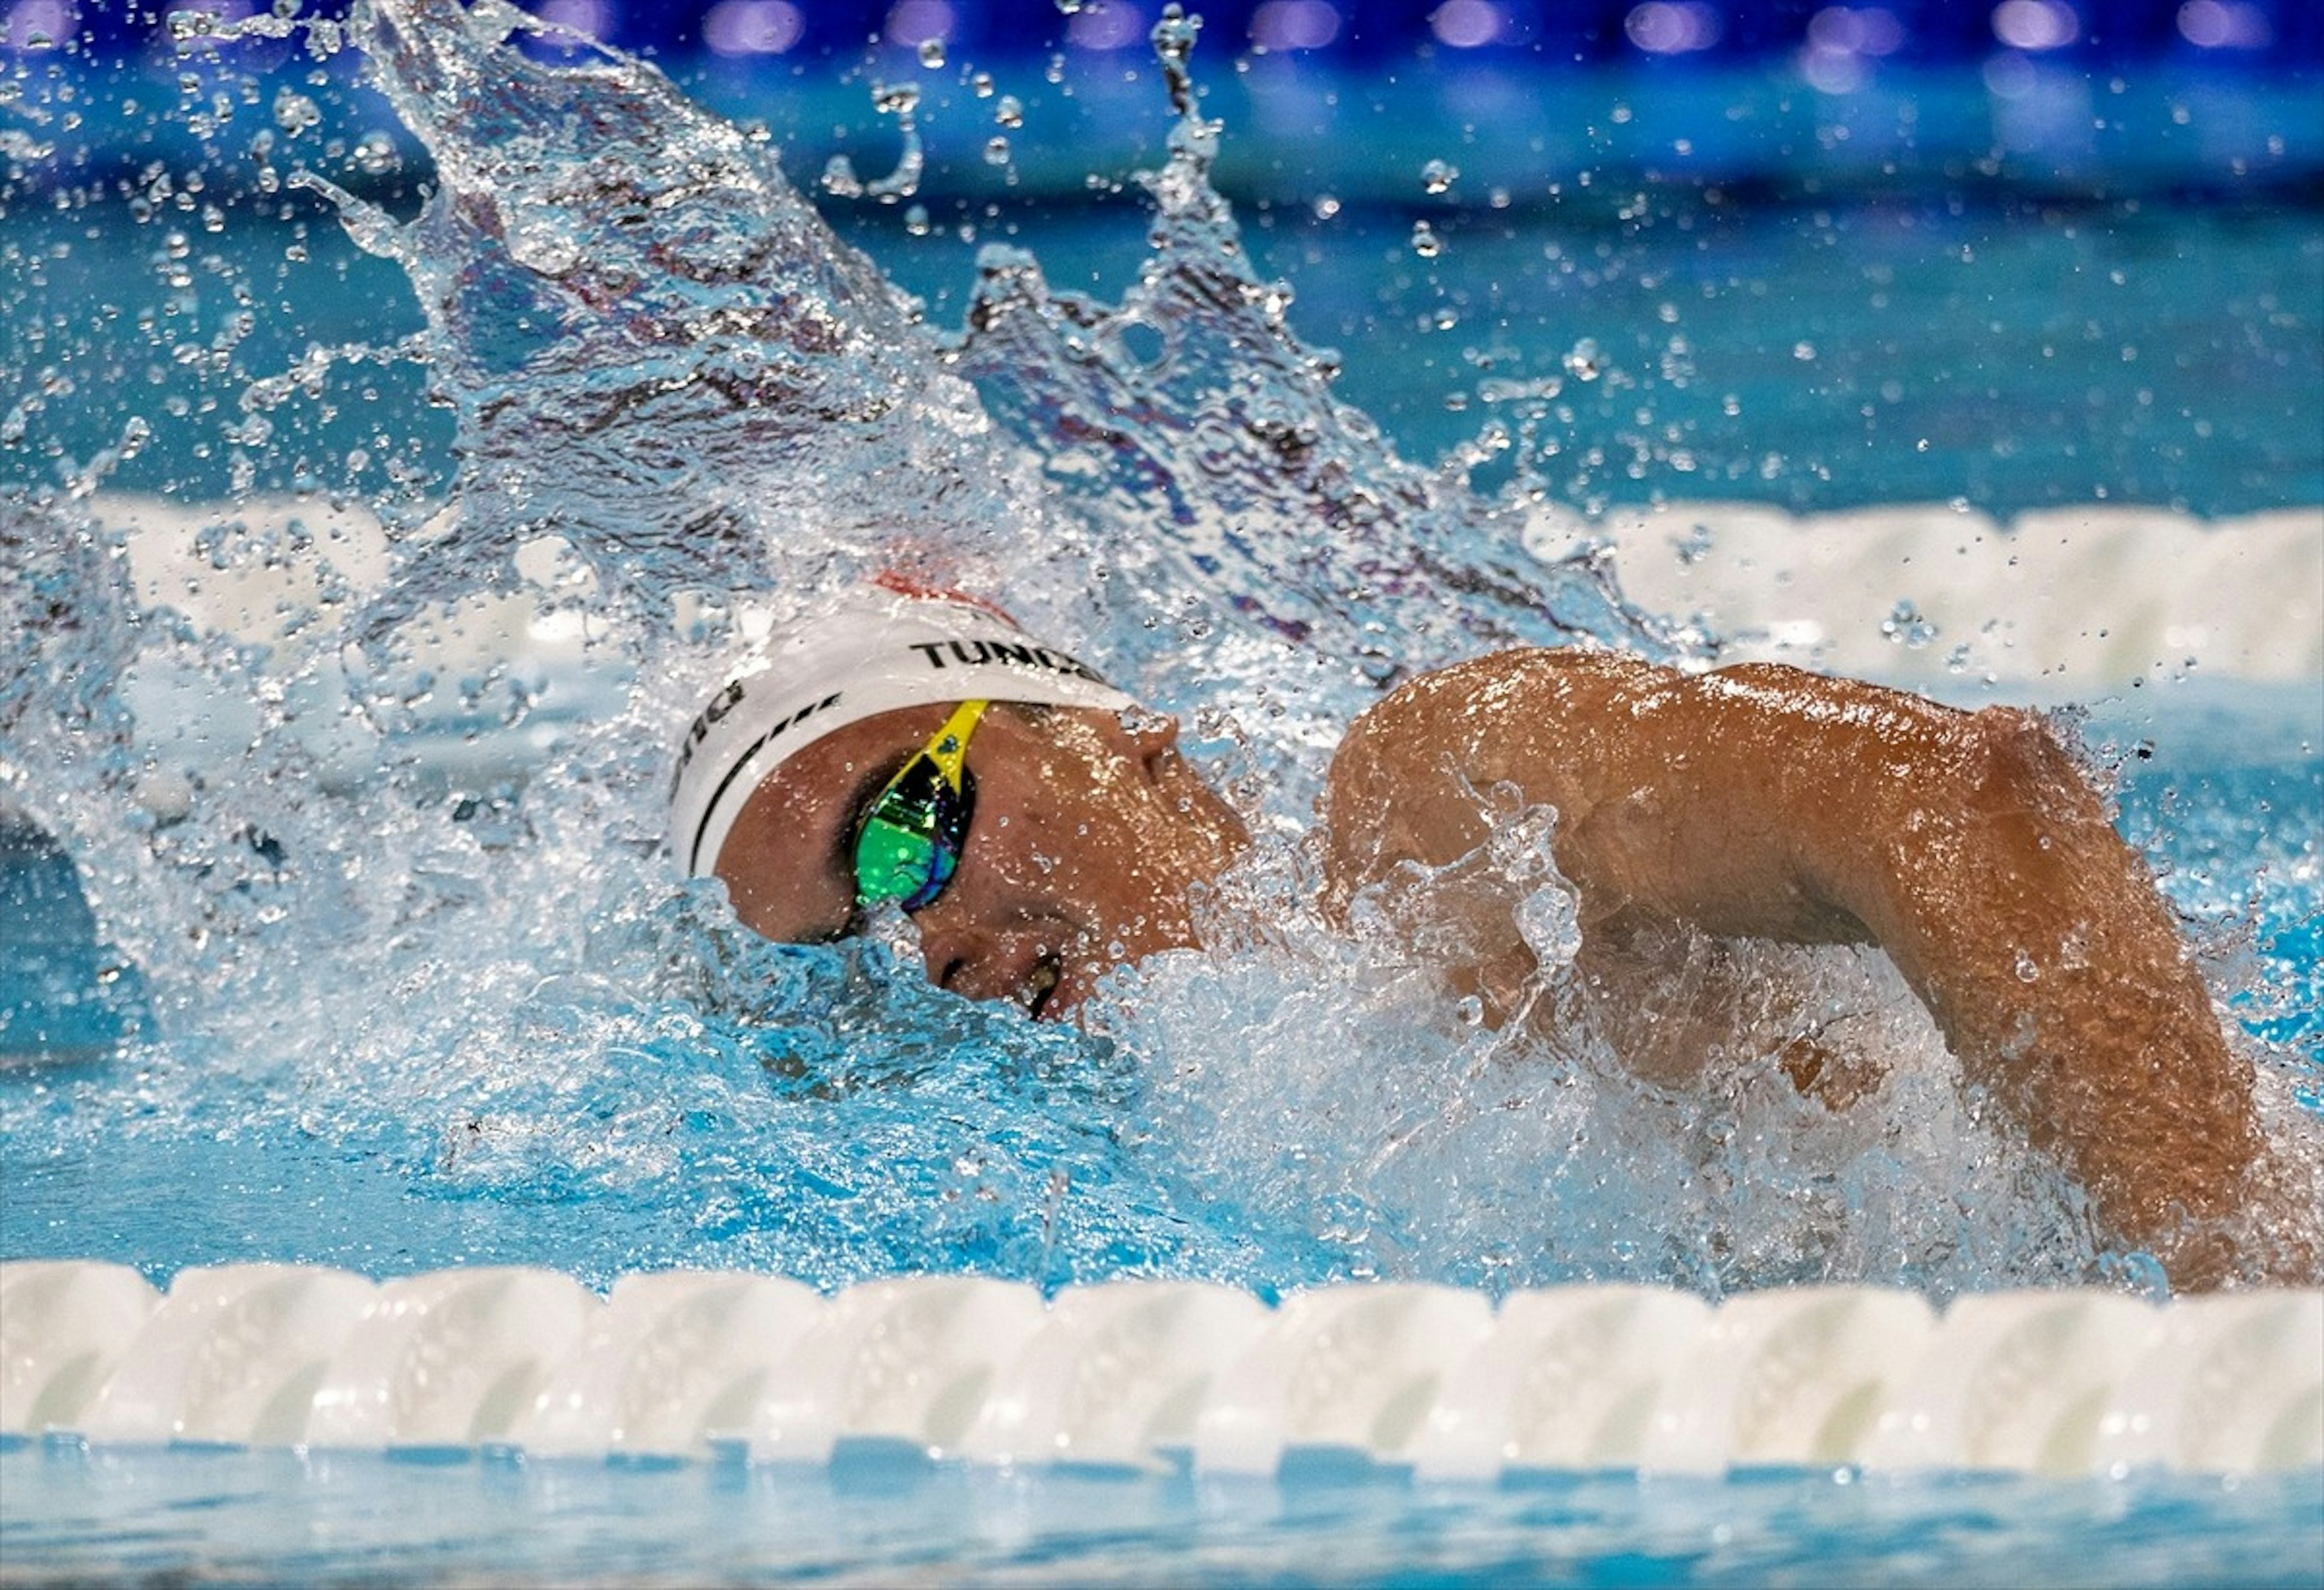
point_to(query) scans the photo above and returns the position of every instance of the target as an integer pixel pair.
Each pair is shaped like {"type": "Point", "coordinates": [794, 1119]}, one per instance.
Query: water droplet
{"type": "Point", "coordinates": [1009, 111]}
{"type": "Point", "coordinates": [981, 85]}
{"type": "Point", "coordinates": [1583, 360]}
{"type": "Point", "coordinates": [1425, 241]}
{"type": "Point", "coordinates": [294, 113]}
{"type": "Point", "coordinates": [2027, 972]}
{"type": "Point", "coordinates": [839, 178]}
{"type": "Point", "coordinates": [1437, 176]}
{"type": "Point", "coordinates": [1906, 627]}
{"type": "Point", "coordinates": [996, 151]}
{"type": "Point", "coordinates": [899, 100]}
{"type": "Point", "coordinates": [932, 53]}
{"type": "Point", "coordinates": [375, 154]}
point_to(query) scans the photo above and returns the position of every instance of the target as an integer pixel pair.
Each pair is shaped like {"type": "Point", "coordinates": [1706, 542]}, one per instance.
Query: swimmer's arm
{"type": "Point", "coordinates": [1991, 875]}
{"type": "Point", "coordinates": [1765, 802]}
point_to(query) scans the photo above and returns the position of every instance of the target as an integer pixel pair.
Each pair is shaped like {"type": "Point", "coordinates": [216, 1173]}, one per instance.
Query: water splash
{"type": "Point", "coordinates": [623, 289]}
{"type": "Point", "coordinates": [1194, 404]}
{"type": "Point", "coordinates": [680, 400]}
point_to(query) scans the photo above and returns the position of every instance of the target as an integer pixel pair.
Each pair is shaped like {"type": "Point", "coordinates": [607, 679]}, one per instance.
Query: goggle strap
{"type": "Point", "coordinates": [949, 749]}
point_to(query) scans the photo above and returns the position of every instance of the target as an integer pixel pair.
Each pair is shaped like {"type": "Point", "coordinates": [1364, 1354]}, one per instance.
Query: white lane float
{"type": "Point", "coordinates": [1147, 1374]}
{"type": "Point", "coordinates": [906, 1361]}
{"type": "Point", "coordinates": [64, 1324]}
{"type": "Point", "coordinates": [2016, 1382]}
{"type": "Point", "coordinates": [673, 1353]}
{"type": "Point", "coordinates": [2233, 1384]}
{"type": "Point", "coordinates": [1351, 1369]}
{"type": "Point", "coordinates": [1790, 1377]}
{"type": "Point", "coordinates": [1117, 1377]}
{"type": "Point", "coordinates": [1929, 596]}
{"type": "Point", "coordinates": [1570, 1379]}
{"type": "Point", "coordinates": [234, 1356]}
{"type": "Point", "coordinates": [448, 1360]}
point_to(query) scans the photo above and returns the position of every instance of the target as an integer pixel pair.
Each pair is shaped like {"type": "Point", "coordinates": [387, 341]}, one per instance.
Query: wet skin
{"type": "Point", "coordinates": [1087, 837]}
{"type": "Point", "coordinates": [1764, 802]}
{"type": "Point", "coordinates": [1756, 802]}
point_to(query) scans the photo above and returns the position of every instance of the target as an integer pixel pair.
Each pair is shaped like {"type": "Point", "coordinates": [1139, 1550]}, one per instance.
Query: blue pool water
{"type": "Point", "coordinates": [448, 1008]}
{"type": "Point", "coordinates": [879, 1517]}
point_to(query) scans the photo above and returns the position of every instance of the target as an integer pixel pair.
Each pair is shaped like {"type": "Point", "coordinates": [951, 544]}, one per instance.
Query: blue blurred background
{"type": "Point", "coordinates": [2259, 34]}
{"type": "Point", "coordinates": [2019, 252]}
{"type": "Point", "coordinates": [2216, 97]}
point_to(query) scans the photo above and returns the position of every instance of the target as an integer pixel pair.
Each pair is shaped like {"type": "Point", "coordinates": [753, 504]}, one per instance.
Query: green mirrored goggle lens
{"type": "Point", "coordinates": [911, 839]}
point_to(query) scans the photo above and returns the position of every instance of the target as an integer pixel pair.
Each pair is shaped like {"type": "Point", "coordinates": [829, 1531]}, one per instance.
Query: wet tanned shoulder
{"type": "Point", "coordinates": [1409, 781]}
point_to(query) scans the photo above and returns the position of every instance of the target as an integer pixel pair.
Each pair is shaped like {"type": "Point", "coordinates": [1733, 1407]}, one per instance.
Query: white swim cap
{"type": "Point", "coordinates": [877, 651]}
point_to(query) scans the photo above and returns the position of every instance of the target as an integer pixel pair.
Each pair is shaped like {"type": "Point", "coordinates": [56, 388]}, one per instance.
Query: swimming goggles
{"type": "Point", "coordinates": [912, 832]}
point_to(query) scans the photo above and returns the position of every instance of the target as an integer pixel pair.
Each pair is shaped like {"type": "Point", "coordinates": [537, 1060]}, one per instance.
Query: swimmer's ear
{"type": "Point", "coordinates": [1138, 735]}
{"type": "Point", "coordinates": [1141, 735]}
{"type": "Point", "coordinates": [1152, 737]}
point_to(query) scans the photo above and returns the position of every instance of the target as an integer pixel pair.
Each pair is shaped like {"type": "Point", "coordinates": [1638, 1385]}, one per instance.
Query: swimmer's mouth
{"type": "Point", "coordinates": [1040, 986]}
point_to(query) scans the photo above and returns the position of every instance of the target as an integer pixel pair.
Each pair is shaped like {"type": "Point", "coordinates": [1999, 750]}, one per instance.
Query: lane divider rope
{"type": "Point", "coordinates": [1435, 1380]}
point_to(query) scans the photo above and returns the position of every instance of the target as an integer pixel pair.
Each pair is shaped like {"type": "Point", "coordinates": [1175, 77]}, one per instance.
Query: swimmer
{"type": "Point", "coordinates": [1041, 829]}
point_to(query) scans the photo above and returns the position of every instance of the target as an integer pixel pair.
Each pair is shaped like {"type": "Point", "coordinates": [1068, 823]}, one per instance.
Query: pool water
{"type": "Point", "coordinates": [365, 955]}
{"type": "Point", "coordinates": [882, 1518]}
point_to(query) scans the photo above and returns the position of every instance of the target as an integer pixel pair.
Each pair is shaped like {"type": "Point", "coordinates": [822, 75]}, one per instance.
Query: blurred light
{"type": "Point", "coordinates": [1464, 25]}
{"type": "Point", "coordinates": [1833, 71]}
{"type": "Point", "coordinates": [594, 18]}
{"type": "Point", "coordinates": [51, 22]}
{"type": "Point", "coordinates": [752, 27]}
{"type": "Point", "coordinates": [1293, 24]}
{"type": "Point", "coordinates": [1838, 38]}
{"type": "Point", "coordinates": [2012, 76]}
{"type": "Point", "coordinates": [1111, 26]}
{"type": "Point", "coordinates": [1841, 30]}
{"type": "Point", "coordinates": [915, 22]}
{"type": "Point", "coordinates": [2036, 25]}
{"type": "Point", "coordinates": [1673, 27]}
{"type": "Point", "coordinates": [2225, 25]}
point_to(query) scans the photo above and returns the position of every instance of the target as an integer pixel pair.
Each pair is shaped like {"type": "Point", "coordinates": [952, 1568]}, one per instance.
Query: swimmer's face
{"type": "Point", "coordinates": [1086, 837]}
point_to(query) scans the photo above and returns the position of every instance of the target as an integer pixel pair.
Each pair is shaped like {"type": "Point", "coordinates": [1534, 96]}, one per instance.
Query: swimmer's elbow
{"type": "Point", "coordinates": [2020, 762]}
